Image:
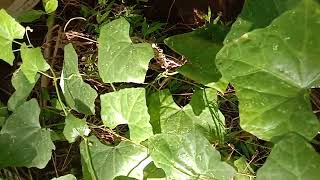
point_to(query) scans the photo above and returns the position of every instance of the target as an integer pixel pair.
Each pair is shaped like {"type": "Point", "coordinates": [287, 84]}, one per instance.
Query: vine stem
{"type": "Point", "coordinates": [55, 79]}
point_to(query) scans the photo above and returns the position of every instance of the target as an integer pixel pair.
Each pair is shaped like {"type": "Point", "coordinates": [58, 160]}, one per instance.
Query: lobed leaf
{"type": "Point", "coordinates": [258, 14]}
{"type": "Point", "coordinates": [188, 156]}
{"type": "Point", "coordinates": [119, 59]}
{"type": "Point", "coordinates": [32, 63]}
{"type": "Point", "coordinates": [127, 106]}
{"type": "Point", "coordinates": [291, 158]}
{"type": "Point", "coordinates": [108, 162]}
{"type": "Point", "coordinates": [273, 69]}
{"type": "Point", "coordinates": [10, 29]}
{"type": "Point", "coordinates": [22, 141]}
{"type": "Point", "coordinates": [173, 119]}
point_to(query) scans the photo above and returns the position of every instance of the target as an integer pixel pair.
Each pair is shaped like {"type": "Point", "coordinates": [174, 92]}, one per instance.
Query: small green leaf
{"type": "Point", "coordinates": [50, 5]}
{"type": "Point", "coordinates": [74, 128]}
{"type": "Point", "coordinates": [258, 14]}
{"type": "Point", "coordinates": [188, 156]}
{"type": "Point", "coordinates": [199, 48]}
{"type": "Point", "coordinates": [127, 106]}
{"type": "Point", "coordinates": [153, 172]}
{"type": "Point", "coordinates": [33, 62]}
{"type": "Point", "coordinates": [66, 177]}
{"type": "Point", "coordinates": [23, 88]}
{"type": "Point", "coordinates": [79, 95]}
{"type": "Point", "coordinates": [30, 16]}
{"type": "Point", "coordinates": [273, 69]}
{"type": "Point", "coordinates": [292, 158]}
{"type": "Point", "coordinates": [10, 29]}
{"type": "Point", "coordinates": [119, 59]}
{"type": "Point", "coordinates": [190, 118]}
{"type": "Point", "coordinates": [22, 141]}
{"type": "Point", "coordinates": [125, 159]}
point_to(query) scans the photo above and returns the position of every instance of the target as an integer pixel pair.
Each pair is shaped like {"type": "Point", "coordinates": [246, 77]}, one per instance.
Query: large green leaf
{"type": "Point", "coordinates": [199, 48]}
{"type": "Point", "coordinates": [292, 158]}
{"type": "Point", "coordinates": [127, 106]}
{"type": "Point", "coordinates": [9, 30]}
{"type": "Point", "coordinates": [22, 141]}
{"type": "Point", "coordinates": [33, 62]}
{"type": "Point", "coordinates": [273, 70]}
{"type": "Point", "coordinates": [74, 128]}
{"type": "Point", "coordinates": [23, 88]}
{"type": "Point", "coordinates": [119, 59]}
{"type": "Point", "coordinates": [79, 95]}
{"type": "Point", "coordinates": [108, 162]}
{"type": "Point", "coordinates": [192, 117]}
{"type": "Point", "coordinates": [258, 14]}
{"type": "Point", "coordinates": [188, 156]}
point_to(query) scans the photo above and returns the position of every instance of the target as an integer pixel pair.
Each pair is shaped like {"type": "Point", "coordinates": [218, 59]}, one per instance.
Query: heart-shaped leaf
{"type": "Point", "coordinates": [108, 162]}
{"type": "Point", "coordinates": [10, 29]}
{"type": "Point", "coordinates": [22, 141]}
{"type": "Point", "coordinates": [273, 70]}
{"type": "Point", "coordinates": [291, 158]}
{"type": "Point", "coordinates": [79, 95]}
{"type": "Point", "coordinates": [119, 59]}
{"type": "Point", "coordinates": [127, 106]}
{"type": "Point", "coordinates": [188, 156]}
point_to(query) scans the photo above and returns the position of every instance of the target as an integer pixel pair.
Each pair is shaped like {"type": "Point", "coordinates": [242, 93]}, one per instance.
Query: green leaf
{"type": "Point", "coordinates": [50, 5]}
{"type": "Point", "coordinates": [79, 95]}
{"type": "Point", "coordinates": [125, 159]}
{"type": "Point", "coordinates": [74, 128]}
{"type": "Point", "coordinates": [119, 59]}
{"type": "Point", "coordinates": [22, 141]}
{"type": "Point", "coordinates": [199, 48]}
{"type": "Point", "coordinates": [192, 117]}
{"type": "Point", "coordinates": [33, 62]}
{"type": "Point", "coordinates": [244, 170]}
{"type": "Point", "coordinates": [10, 29]}
{"type": "Point", "coordinates": [188, 156]}
{"type": "Point", "coordinates": [258, 14]}
{"type": "Point", "coordinates": [127, 106]}
{"type": "Point", "coordinates": [30, 16]}
{"type": "Point", "coordinates": [273, 69]}
{"type": "Point", "coordinates": [66, 177]}
{"type": "Point", "coordinates": [291, 158]}
{"type": "Point", "coordinates": [153, 172]}
{"type": "Point", "coordinates": [23, 88]}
